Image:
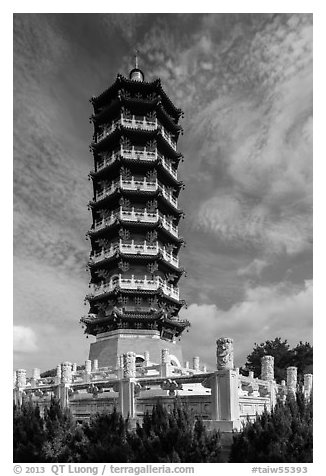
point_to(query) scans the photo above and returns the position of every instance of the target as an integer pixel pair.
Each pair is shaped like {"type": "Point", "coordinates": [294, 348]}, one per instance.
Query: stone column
{"type": "Point", "coordinates": [267, 367]}
{"type": "Point", "coordinates": [57, 378]}
{"type": "Point", "coordinates": [129, 365]}
{"type": "Point", "coordinates": [88, 366]}
{"type": "Point", "coordinates": [66, 375]}
{"type": "Point", "coordinates": [146, 358]}
{"type": "Point", "coordinates": [204, 369]}
{"type": "Point", "coordinates": [291, 379]}
{"type": "Point", "coordinates": [307, 386]}
{"type": "Point", "coordinates": [20, 385]}
{"type": "Point", "coordinates": [187, 364]}
{"type": "Point", "coordinates": [21, 378]}
{"type": "Point", "coordinates": [15, 378]}
{"type": "Point", "coordinates": [224, 353]}
{"type": "Point", "coordinates": [165, 356]}
{"type": "Point", "coordinates": [74, 368]}
{"type": "Point", "coordinates": [35, 377]}
{"type": "Point", "coordinates": [36, 374]}
{"type": "Point", "coordinates": [165, 363]}
{"type": "Point", "coordinates": [95, 365]}
{"type": "Point", "coordinates": [66, 380]}
{"type": "Point", "coordinates": [127, 386]}
{"type": "Point", "coordinates": [224, 385]}
{"type": "Point", "coordinates": [251, 374]}
{"type": "Point", "coordinates": [195, 363]}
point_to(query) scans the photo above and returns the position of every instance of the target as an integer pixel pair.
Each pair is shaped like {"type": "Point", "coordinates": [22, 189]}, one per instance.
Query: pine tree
{"type": "Point", "coordinates": [28, 434]}
{"type": "Point", "coordinates": [106, 436]}
{"type": "Point", "coordinates": [282, 436]}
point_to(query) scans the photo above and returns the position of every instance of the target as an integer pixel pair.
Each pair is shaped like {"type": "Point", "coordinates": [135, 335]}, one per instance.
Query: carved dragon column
{"type": "Point", "coordinates": [267, 373]}
{"type": "Point", "coordinates": [224, 385]}
{"type": "Point", "coordinates": [66, 380]}
{"type": "Point", "coordinates": [291, 379]}
{"type": "Point", "coordinates": [127, 386]}
{"type": "Point", "coordinates": [307, 385]}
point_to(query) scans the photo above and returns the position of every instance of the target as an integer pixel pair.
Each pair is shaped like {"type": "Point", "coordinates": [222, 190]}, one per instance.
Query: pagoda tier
{"type": "Point", "coordinates": [134, 263]}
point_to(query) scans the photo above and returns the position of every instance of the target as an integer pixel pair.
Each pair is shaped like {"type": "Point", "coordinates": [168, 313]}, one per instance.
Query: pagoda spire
{"type": "Point", "coordinates": [136, 59]}
{"type": "Point", "coordinates": [136, 74]}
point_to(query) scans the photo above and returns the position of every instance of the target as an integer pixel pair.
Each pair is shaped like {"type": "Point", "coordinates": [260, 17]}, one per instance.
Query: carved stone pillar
{"type": "Point", "coordinates": [146, 358]}
{"type": "Point", "coordinates": [307, 385]}
{"type": "Point", "coordinates": [21, 378]}
{"type": "Point", "coordinates": [291, 379]}
{"type": "Point", "coordinates": [66, 375]}
{"type": "Point", "coordinates": [129, 365]}
{"type": "Point", "coordinates": [225, 389]}
{"type": "Point", "coordinates": [64, 387]}
{"type": "Point", "coordinates": [95, 365]}
{"type": "Point", "coordinates": [127, 405]}
{"type": "Point", "coordinates": [204, 369]}
{"type": "Point", "coordinates": [195, 363]}
{"type": "Point", "coordinates": [251, 375]}
{"type": "Point", "coordinates": [88, 366]}
{"type": "Point", "coordinates": [36, 374]}
{"type": "Point", "coordinates": [74, 368]}
{"type": "Point", "coordinates": [224, 353]}
{"type": "Point", "coordinates": [187, 364]}
{"type": "Point", "coordinates": [165, 356]}
{"type": "Point", "coordinates": [267, 367]}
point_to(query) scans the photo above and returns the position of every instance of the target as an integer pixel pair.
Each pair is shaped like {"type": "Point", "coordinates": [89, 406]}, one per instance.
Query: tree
{"type": "Point", "coordinates": [300, 356]}
{"type": "Point", "coordinates": [106, 436]}
{"type": "Point", "coordinates": [282, 436]}
{"type": "Point", "coordinates": [173, 437]}
{"type": "Point", "coordinates": [65, 440]}
{"type": "Point", "coordinates": [28, 434]}
{"type": "Point", "coordinates": [303, 359]}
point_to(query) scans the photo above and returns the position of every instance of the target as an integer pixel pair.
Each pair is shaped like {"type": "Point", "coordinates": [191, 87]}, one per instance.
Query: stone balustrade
{"type": "Point", "coordinates": [223, 397]}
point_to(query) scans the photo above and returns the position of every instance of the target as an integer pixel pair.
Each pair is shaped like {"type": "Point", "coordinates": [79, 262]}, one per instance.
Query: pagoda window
{"type": "Point", "coordinates": [125, 300]}
{"type": "Point", "coordinates": [138, 300]}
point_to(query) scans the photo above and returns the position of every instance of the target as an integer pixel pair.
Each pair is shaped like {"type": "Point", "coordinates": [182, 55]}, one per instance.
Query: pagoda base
{"type": "Point", "coordinates": [109, 345]}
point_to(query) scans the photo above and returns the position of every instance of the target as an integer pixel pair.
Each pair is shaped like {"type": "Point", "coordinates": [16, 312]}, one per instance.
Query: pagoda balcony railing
{"type": "Point", "coordinates": [144, 123]}
{"type": "Point", "coordinates": [148, 217]}
{"type": "Point", "coordinates": [146, 155]}
{"type": "Point", "coordinates": [135, 283]}
{"type": "Point", "coordinates": [136, 154]}
{"type": "Point", "coordinates": [134, 184]}
{"type": "Point", "coordinates": [135, 249]}
{"type": "Point", "coordinates": [168, 138]}
{"type": "Point", "coordinates": [134, 123]}
{"type": "Point", "coordinates": [142, 216]}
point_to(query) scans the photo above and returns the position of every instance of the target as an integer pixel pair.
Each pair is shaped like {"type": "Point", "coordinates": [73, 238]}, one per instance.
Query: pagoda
{"type": "Point", "coordinates": [134, 265]}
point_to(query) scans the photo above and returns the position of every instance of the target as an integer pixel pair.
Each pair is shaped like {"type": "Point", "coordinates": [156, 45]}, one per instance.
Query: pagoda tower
{"type": "Point", "coordinates": [134, 264]}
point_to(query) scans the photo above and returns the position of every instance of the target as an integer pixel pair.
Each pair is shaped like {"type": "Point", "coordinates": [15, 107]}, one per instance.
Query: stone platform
{"type": "Point", "coordinates": [109, 345]}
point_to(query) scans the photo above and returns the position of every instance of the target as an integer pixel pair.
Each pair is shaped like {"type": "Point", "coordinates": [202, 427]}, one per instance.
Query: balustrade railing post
{"type": "Point", "coordinates": [224, 387]}
{"type": "Point", "coordinates": [20, 386]}
{"type": "Point", "coordinates": [127, 386]}
{"type": "Point", "coordinates": [307, 385]}
{"type": "Point", "coordinates": [35, 377]}
{"type": "Point", "coordinates": [291, 379]}
{"type": "Point", "coordinates": [88, 370]}
{"type": "Point", "coordinates": [165, 363]}
{"type": "Point", "coordinates": [195, 363]}
{"type": "Point", "coordinates": [64, 386]}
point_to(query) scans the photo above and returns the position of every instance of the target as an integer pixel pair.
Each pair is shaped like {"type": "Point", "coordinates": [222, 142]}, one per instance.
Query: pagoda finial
{"type": "Point", "coordinates": [136, 59]}
{"type": "Point", "coordinates": [136, 74]}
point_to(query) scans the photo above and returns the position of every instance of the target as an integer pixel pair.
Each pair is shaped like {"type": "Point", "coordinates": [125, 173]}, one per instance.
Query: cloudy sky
{"type": "Point", "coordinates": [245, 84]}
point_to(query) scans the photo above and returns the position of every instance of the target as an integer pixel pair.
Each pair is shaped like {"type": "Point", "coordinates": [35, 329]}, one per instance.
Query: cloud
{"type": "Point", "coordinates": [254, 268]}
{"type": "Point", "coordinates": [24, 340]}
{"type": "Point", "coordinates": [265, 313]}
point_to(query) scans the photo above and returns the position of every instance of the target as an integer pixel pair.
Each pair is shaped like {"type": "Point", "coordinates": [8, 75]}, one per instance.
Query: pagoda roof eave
{"type": "Point", "coordinates": [121, 80]}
